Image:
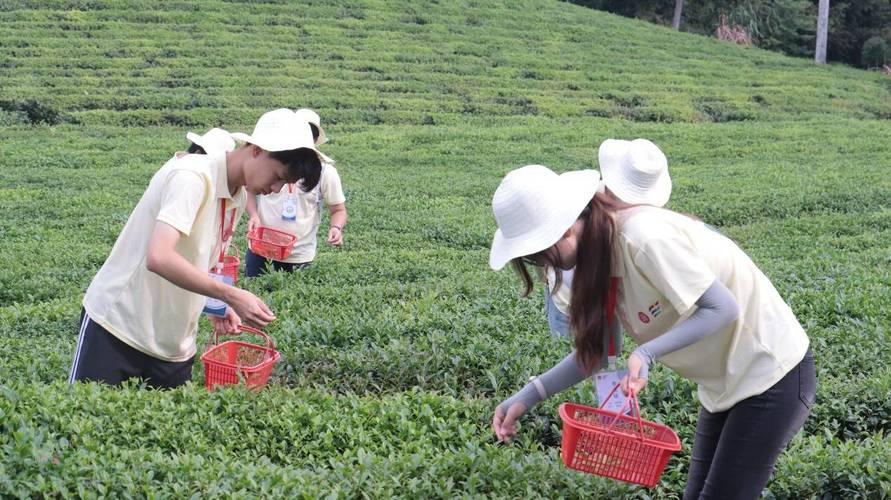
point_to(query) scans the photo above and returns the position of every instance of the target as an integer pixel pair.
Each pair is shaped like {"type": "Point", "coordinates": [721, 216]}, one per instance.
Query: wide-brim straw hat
{"type": "Point", "coordinates": [312, 117]}
{"type": "Point", "coordinates": [215, 140]}
{"type": "Point", "coordinates": [534, 207]}
{"type": "Point", "coordinates": [280, 130]}
{"type": "Point", "coordinates": [635, 171]}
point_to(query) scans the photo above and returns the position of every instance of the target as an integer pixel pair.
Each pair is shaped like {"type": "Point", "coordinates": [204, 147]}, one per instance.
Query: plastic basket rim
{"type": "Point", "coordinates": [255, 236]}
{"type": "Point", "coordinates": [275, 356]}
{"type": "Point", "coordinates": [568, 420]}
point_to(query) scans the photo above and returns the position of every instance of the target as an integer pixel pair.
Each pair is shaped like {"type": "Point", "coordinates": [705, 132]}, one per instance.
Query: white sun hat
{"type": "Point", "coordinates": [280, 130]}
{"type": "Point", "coordinates": [635, 171]}
{"type": "Point", "coordinates": [534, 206]}
{"type": "Point", "coordinates": [312, 117]}
{"type": "Point", "coordinates": [213, 141]}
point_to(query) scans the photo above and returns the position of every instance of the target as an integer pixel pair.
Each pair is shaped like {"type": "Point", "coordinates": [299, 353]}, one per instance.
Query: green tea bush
{"type": "Point", "coordinates": [397, 347]}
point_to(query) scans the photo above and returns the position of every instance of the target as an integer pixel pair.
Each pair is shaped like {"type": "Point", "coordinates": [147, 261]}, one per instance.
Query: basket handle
{"type": "Point", "coordinates": [215, 337]}
{"type": "Point", "coordinates": [231, 247]}
{"type": "Point", "coordinates": [632, 404]}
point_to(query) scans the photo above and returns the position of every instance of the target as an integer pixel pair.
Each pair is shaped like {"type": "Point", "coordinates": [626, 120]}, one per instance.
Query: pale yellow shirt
{"type": "Point", "coordinates": [139, 307]}
{"type": "Point", "coordinates": [309, 215]}
{"type": "Point", "coordinates": [561, 296]}
{"type": "Point", "coordinates": [667, 261]}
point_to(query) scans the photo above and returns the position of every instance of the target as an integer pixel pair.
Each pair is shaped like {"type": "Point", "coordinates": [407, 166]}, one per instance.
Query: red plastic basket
{"type": "Point", "coordinates": [616, 445]}
{"type": "Point", "coordinates": [230, 265]}
{"type": "Point", "coordinates": [234, 361]}
{"type": "Point", "coordinates": [271, 243]}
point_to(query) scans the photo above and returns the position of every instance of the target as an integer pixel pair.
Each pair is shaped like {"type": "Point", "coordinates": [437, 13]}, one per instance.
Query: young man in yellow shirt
{"type": "Point", "coordinates": [141, 311]}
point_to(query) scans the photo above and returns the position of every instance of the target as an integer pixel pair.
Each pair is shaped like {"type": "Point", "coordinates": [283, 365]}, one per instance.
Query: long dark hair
{"type": "Point", "coordinates": [591, 281]}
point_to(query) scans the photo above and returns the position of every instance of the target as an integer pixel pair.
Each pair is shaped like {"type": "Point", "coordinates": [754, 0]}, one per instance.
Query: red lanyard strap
{"type": "Point", "coordinates": [222, 228]}
{"type": "Point", "coordinates": [611, 312]}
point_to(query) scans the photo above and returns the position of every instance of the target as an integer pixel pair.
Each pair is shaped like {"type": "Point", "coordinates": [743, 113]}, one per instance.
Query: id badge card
{"type": "Point", "coordinates": [216, 307]}
{"type": "Point", "coordinates": [605, 381]}
{"type": "Point", "coordinates": [289, 208]}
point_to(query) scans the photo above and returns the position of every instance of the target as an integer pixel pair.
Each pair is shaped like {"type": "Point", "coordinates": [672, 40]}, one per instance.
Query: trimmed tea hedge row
{"type": "Point", "coordinates": [88, 440]}
{"type": "Point", "coordinates": [375, 62]}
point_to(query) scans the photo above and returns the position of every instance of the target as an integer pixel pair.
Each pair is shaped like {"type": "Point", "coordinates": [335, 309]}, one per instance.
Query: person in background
{"type": "Point", "coordinates": [214, 141]}
{"type": "Point", "coordinates": [140, 313]}
{"type": "Point", "coordinates": [298, 212]}
{"type": "Point", "coordinates": [636, 172]}
{"type": "Point", "coordinates": [688, 296]}
{"type": "Point", "coordinates": [218, 141]}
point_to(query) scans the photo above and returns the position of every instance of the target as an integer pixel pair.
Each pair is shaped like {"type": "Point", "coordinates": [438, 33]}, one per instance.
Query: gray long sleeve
{"type": "Point", "coordinates": [716, 308]}
{"type": "Point", "coordinates": [563, 375]}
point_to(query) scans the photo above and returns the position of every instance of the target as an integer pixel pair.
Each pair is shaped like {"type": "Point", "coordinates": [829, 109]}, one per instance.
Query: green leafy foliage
{"type": "Point", "coordinates": [786, 26]}
{"type": "Point", "coordinates": [396, 348]}
{"type": "Point", "coordinates": [876, 52]}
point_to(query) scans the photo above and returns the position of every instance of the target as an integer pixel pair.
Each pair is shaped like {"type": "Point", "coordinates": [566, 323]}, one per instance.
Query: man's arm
{"type": "Point", "coordinates": [163, 260]}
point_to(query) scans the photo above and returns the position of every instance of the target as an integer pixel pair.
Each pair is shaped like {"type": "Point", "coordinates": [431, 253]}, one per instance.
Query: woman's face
{"type": "Point", "coordinates": [564, 253]}
{"type": "Point", "coordinates": [567, 249]}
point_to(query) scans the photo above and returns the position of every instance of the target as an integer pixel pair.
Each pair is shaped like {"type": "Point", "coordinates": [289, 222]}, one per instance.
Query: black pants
{"type": "Point", "coordinates": [735, 450]}
{"type": "Point", "coordinates": [254, 265]}
{"type": "Point", "coordinates": [102, 357]}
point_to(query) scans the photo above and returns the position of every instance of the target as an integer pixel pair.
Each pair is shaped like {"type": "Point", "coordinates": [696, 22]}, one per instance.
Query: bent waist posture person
{"type": "Point", "coordinates": [688, 296]}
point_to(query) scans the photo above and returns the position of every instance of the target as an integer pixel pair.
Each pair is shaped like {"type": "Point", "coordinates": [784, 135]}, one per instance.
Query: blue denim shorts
{"type": "Point", "coordinates": [557, 321]}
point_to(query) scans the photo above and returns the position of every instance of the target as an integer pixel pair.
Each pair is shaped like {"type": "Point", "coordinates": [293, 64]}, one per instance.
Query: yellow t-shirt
{"type": "Point", "coordinates": [309, 216]}
{"type": "Point", "coordinates": [139, 307]}
{"type": "Point", "coordinates": [666, 262]}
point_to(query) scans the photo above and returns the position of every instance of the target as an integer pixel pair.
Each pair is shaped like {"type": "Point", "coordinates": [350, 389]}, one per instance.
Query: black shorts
{"type": "Point", "coordinates": [255, 265]}
{"type": "Point", "coordinates": [102, 357]}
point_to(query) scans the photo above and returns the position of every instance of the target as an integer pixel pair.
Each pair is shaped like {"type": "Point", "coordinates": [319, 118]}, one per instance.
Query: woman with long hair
{"type": "Point", "coordinates": [687, 295]}
{"type": "Point", "coordinates": [635, 172]}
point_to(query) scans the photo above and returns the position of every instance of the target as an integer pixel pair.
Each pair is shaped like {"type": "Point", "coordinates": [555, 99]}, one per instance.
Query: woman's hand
{"type": "Point", "coordinates": [505, 425]}
{"type": "Point", "coordinates": [631, 382]}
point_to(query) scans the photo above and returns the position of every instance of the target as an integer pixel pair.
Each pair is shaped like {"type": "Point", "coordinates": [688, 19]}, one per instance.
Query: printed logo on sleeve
{"type": "Point", "coordinates": [643, 317]}
{"type": "Point", "coordinates": [655, 309]}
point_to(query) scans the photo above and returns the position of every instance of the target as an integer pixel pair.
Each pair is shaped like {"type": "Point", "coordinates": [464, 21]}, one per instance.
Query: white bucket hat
{"type": "Point", "coordinates": [213, 141]}
{"type": "Point", "coordinates": [312, 117]}
{"type": "Point", "coordinates": [534, 207]}
{"type": "Point", "coordinates": [635, 171]}
{"type": "Point", "coordinates": [280, 130]}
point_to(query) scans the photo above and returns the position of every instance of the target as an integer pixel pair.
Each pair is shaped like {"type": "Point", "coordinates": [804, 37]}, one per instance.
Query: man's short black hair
{"type": "Point", "coordinates": [303, 165]}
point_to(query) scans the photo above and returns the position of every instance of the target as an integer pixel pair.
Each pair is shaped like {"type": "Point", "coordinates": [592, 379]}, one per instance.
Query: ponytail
{"type": "Point", "coordinates": [590, 283]}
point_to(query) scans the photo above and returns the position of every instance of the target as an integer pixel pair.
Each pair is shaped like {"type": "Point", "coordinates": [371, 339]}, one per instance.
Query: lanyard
{"type": "Point", "coordinates": [611, 317]}
{"type": "Point", "coordinates": [223, 231]}
{"type": "Point", "coordinates": [290, 188]}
